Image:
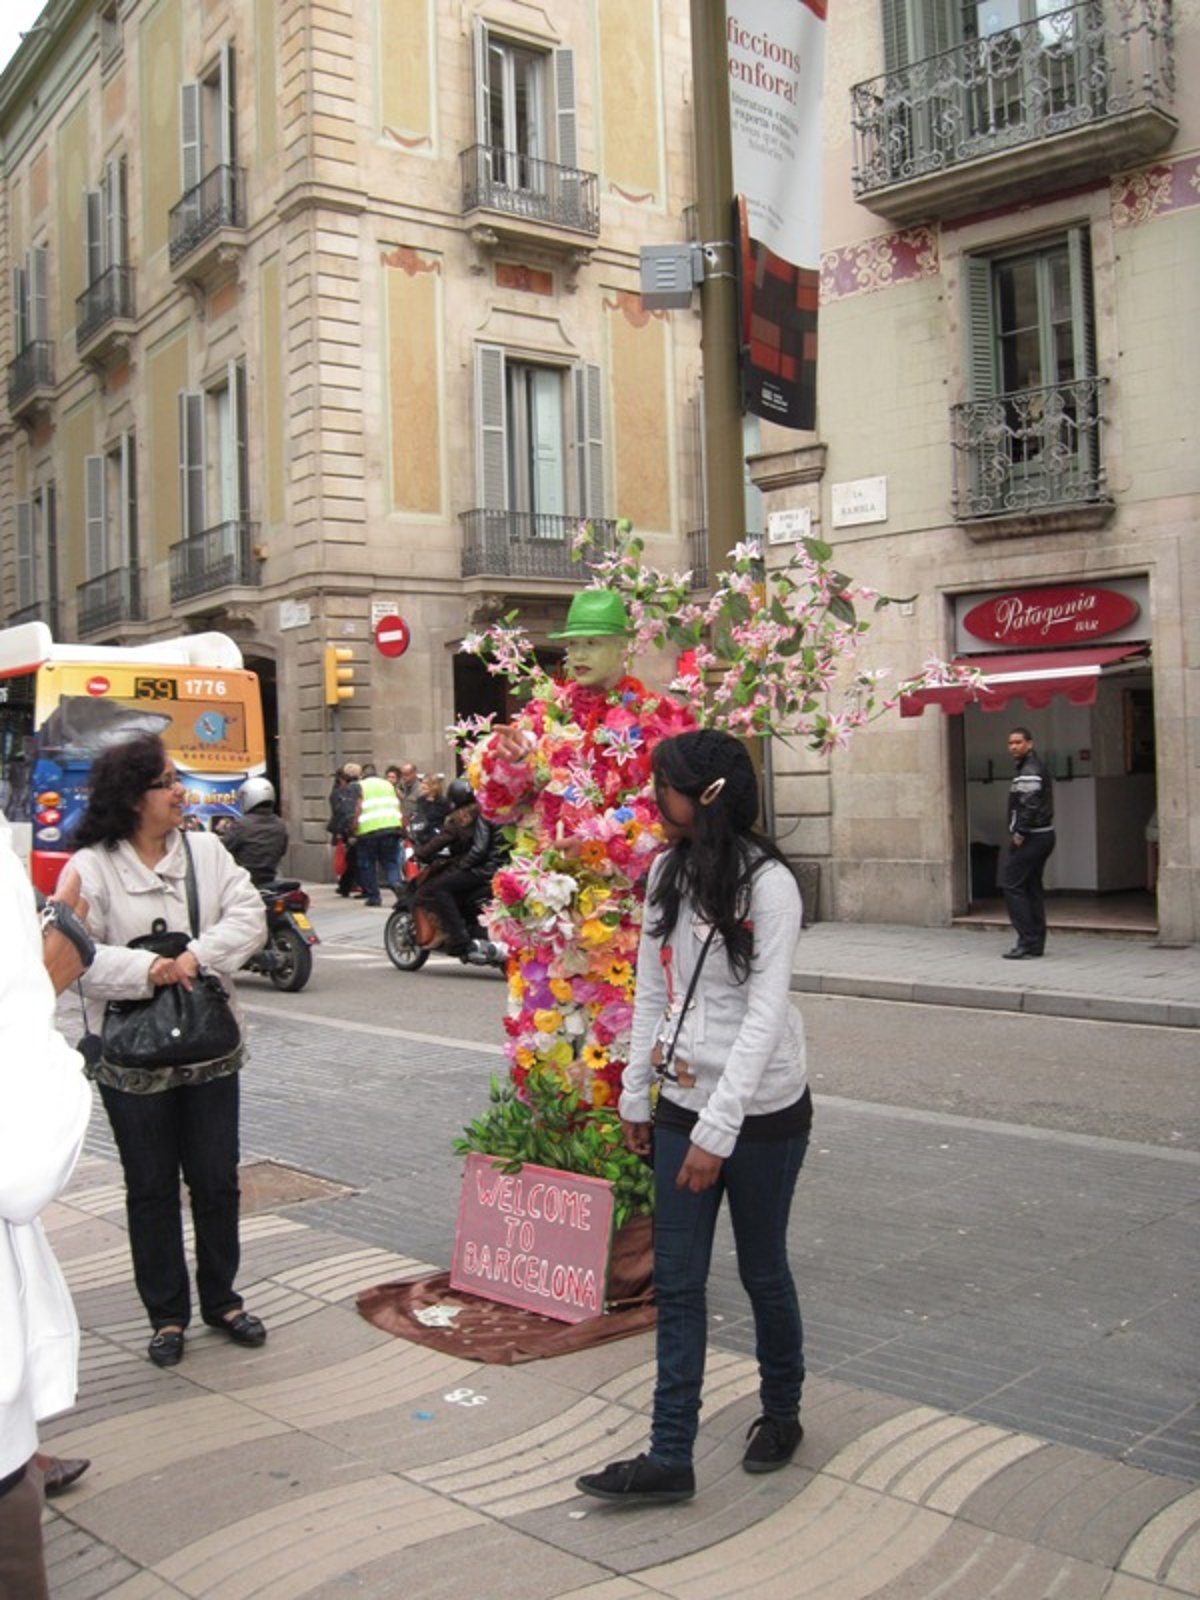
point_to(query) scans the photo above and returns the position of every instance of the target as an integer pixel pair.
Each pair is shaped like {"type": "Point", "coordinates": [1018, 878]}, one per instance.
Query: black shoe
{"type": "Point", "coordinates": [242, 1328]}
{"type": "Point", "coordinates": [772, 1444]}
{"type": "Point", "coordinates": [166, 1347]}
{"type": "Point", "coordinates": [1017, 953]}
{"type": "Point", "coordinates": [58, 1475]}
{"type": "Point", "coordinates": [639, 1482]}
{"type": "Point", "coordinates": [483, 953]}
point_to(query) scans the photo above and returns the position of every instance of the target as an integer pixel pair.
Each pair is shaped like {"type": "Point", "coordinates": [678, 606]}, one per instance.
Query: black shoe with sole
{"type": "Point", "coordinates": [242, 1328]}
{"type": "Point", "coordinates": [772, 1443]}
{"type": "Point", "coordinates": [640, 1482]}
{"type": "Point", "coordinates": [166, 1347]}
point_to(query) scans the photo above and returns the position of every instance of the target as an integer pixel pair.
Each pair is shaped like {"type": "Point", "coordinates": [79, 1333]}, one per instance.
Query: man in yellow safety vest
{"type": "Point", "coordinates": [377, 830]}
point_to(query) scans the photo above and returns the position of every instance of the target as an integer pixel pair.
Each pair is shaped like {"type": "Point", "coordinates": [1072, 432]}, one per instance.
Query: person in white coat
{"type": "Point", "coordinates": [132, 861]}
{"type": "Point", "coordinates": [45, 1103]}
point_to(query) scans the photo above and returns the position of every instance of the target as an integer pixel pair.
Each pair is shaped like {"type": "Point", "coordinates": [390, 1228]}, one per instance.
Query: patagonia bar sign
{"type": "Point", "coordinates": [1064, 615]}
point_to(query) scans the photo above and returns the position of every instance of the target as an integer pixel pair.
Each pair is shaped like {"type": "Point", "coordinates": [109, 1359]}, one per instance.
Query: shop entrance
{"type": "Point", "coordinates": [1104, 868]}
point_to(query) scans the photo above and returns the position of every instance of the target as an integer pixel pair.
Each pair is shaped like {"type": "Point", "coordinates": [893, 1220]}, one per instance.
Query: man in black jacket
{"type": "Point", "coordinates": [456, 893]}
{"type": "Point", "coordinates": [1030, 841]}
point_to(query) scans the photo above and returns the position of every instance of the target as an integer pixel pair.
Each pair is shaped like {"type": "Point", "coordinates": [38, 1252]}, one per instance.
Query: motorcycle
{"type": "Point", "coordinates": [410, 936]}
{"type": "Point", "coordinates": [286, 958]}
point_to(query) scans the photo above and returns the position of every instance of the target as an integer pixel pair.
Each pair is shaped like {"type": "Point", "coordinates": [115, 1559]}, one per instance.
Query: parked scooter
{"type": "Point", "coordinates": [286, 958]}
{"type": "Point", "coordinates": [411, 935]}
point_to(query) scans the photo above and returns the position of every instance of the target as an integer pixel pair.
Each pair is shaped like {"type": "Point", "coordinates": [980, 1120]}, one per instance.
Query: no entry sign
{"type": "Point", "coordinates": [391, 636]}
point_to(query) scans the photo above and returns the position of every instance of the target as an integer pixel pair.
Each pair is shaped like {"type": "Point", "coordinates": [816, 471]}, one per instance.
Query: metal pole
{"type": "Point", "coordinates": [724, 463]}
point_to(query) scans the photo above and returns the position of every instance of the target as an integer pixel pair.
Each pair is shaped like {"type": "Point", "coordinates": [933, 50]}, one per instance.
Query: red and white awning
{"type": "Point", "coordinates": [1035, 679]}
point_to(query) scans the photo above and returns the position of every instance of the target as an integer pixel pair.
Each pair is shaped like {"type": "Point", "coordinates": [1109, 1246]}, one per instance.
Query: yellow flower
{"type": "Point", "coordinates": [562, 1055]}
{"type": "Point", "coordinates": [525, 1057]}
{"type": "Point", "coordinates": [593, 931]}
{"type": "Point", "coordinates": [516, 985]}
{"type": "Point", "coordinates": [619, 973]}
{"type": "Point", "coordinates": [601, 1092]}
{"type": "Point", "coordinates": [595, 1056]}
{"type": "Point", "coordinates": [560, 989]}
{"type": "Point", "coordinates": [547, 1021]}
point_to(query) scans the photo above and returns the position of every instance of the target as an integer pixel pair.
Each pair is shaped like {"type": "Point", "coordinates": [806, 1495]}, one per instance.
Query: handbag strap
{"type": "Point", "coordinates": [669, 1054]}
{"type": "Point", "coordinates": [193, 898]}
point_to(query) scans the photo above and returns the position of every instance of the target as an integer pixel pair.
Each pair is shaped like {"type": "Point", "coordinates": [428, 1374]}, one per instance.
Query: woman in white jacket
{"type": "Point", "coordinates": [132, 862]}
{"type": "Point", "coordinates": [44, 1108]}
{"type": "Point", "coordinates": [713, 1023]}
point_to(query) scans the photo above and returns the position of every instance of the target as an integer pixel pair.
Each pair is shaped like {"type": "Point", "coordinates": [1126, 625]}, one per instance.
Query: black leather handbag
{"type": "Point", "coordinates": [175, 1027]}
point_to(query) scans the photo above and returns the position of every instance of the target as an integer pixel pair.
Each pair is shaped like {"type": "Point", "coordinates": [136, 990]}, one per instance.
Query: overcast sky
{"type": "Point", "coordinates": [15, 15]}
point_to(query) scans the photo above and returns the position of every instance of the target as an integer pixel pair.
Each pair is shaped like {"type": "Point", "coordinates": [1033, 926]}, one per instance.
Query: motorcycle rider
{"type": "Point", "coordinates": [258, 839]}
{"type": "Point", "coordinates": [453, 892]}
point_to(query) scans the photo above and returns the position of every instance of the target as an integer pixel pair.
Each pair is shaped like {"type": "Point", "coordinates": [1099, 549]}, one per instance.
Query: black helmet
{"type": "Point", "coordinates": [460, 793]}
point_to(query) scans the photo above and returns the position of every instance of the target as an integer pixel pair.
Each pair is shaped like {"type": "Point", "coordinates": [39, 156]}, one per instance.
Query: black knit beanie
{"type": "Point", "coordinates": [710, 756]}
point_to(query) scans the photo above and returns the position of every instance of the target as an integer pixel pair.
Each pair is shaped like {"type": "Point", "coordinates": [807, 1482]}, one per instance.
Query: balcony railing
{"type": "Point", "coordinates": [108, 299]}
{"type": "Point", "coordinates": [109, 600]}
{"type": "Point", "coordinates": [697, 549]}
{"type": "Point", "coordinates": [219, 558]}
{"type": "Point", "coordinates": [523, 544]}
{"type": "Point", "coordinates": [535, 191]}
{"type": "Point", "coordinates": [37, 611]}
{"type": "Point", "coordinates": [1081, 67]}
{"type": "Point", "coordinates": [32, 370]}
{"type": "Point", "coordinates": [218, 201]}
{"type": "Point", "coordinates": [1034, 450]}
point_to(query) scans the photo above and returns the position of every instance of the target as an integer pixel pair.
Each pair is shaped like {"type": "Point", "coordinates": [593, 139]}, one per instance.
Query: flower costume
{"type": "Point", "coordinates": [568, 906]}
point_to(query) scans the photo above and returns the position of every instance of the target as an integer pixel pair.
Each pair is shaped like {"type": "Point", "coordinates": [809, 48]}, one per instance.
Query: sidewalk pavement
{"type": "Point", "coordinates": [1093, 976]}
{"type": "Point", "coordinates": [338, 1461]}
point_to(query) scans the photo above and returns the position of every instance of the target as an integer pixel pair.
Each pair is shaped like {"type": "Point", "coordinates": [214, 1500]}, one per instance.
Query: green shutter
{"type": "Point", "coordinates": [895, 35]}
{"type": "Point", "coordinates": [490, 428]}
{"type": "Point", "coordinates": [979, 324]}
{"type": "Point", "coordinates": [1083, 318]}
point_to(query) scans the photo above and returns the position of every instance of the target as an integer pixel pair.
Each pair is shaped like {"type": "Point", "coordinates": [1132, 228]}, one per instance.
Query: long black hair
{"type": "Point", "coordinates": [120, 777]}
{"type": "Point", "coordinates": [715, 866]}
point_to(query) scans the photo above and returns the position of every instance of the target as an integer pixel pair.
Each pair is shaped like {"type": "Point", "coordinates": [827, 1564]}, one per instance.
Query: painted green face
{"type": "Point", "coordinates": [596, 661]}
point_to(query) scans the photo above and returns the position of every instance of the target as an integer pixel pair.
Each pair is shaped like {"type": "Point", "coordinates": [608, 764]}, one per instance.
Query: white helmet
{"type": "Point", "coordinates": [256, 792]}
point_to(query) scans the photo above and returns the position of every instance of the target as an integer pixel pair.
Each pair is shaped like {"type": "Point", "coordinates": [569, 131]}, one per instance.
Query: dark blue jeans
{"type": "Point", "coordinates": [378, 863]}
{"type": "Point", "coordinates": [193, 1131]}
{"type": "Point", "coordinates": [759, 1180]}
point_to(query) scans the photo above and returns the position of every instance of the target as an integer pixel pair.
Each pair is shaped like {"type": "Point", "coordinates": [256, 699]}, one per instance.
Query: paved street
{"type": "Point", "coordinates": [1000, 1312]}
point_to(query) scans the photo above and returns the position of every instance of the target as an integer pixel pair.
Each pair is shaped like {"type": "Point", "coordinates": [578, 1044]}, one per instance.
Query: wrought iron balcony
{"type": "Point", "coordinates": [202, 221]}
{"type": "Point", "coordinates": [38, 611]}
{"type": "Point", "coordinates": [31, 377]}
{"type": "Point", "coordinates": [526, 191]}
{"type": "Point", "coordinates": [697, 548]}
{"type": "Point", "coordinates": [104, 311]}
{"type": "Point", "coordinates": [523, 544]}
{"type": "Point", "coordinates": [109, 600]}
{"type": "Point", "coordinates": [1074, 95]}
{"type": "Point", "coordinates": [219, 558]}
{"type": "Point", "coordinates": [1030, 452]}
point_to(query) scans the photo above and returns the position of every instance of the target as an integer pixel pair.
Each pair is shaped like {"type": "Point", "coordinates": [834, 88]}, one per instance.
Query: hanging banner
{"type": "Point", "coordinates": [776, 61]}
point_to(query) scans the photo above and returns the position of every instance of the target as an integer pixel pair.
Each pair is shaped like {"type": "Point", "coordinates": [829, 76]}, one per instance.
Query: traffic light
{"type": "Point", "coordinates": [339, 674]}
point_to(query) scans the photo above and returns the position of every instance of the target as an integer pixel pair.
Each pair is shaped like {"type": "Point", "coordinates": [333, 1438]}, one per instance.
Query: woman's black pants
{"type": "Point", "coordinates": [193, 1132]}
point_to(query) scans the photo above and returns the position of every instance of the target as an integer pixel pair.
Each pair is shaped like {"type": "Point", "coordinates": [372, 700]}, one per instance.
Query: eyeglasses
{"type": "Point", "coordinates": [171, 780]}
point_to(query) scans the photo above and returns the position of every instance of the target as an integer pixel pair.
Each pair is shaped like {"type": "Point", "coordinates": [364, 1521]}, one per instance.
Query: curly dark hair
{"type": "Point", "coordinates": [120, 777]}
{"type": "Point", "coordinates": [714, 867]}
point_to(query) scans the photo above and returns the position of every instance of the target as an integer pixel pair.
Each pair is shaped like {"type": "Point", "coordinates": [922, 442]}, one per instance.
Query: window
{"type": "Point", "coordinates": [37, 554]}
{"type": "Point", "coordinates": [110, 501]}
{"type": "Point", "coordinates": [522, 426]}
{"type": "Point", "coordinates": [110, 32]}
{"type": "Point", "coordinates": [208, 122]}
{"type": "Point", "coordinates": [525, 109]}
{"type": "Point", "coordinates": [214, 488]}
{"type": "Point", "coordinates": [1034, 412]}
{"type": "Point", "coordinates": [106, 222]}
{"type": "Point", "coordinates": [31, 320]}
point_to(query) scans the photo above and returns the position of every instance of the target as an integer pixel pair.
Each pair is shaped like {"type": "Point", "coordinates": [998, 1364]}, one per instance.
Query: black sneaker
{"type": "Point", "coordinates": [639, 1482]}
{"type": "Point", "coordinates": [771, 1444]}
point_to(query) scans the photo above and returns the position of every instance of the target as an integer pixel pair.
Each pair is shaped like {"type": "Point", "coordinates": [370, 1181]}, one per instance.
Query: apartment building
{"type": "Point", "coordinates": [327, 312]}
{"type": "Point", "coordinates": [1009, 383]}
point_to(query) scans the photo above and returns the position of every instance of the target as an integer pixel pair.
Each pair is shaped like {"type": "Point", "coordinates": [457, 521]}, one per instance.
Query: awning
{"type": "Point", "coordinates": [1036, 679]}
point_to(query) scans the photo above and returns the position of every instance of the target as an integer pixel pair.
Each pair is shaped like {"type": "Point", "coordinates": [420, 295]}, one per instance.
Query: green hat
{"type": "Point", "coordinates": [595, 613]}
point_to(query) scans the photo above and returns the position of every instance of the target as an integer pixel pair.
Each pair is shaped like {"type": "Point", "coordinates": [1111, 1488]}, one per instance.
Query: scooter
{"type": "Point", "coordinates": [410, 936]}
{"type": "Point", "coordinates": [286, 958]}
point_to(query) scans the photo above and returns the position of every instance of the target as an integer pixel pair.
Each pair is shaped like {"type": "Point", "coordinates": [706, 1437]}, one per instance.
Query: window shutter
{"type": "Point", "coordinates": [1083, 315]}
{"type": "Point", "coordinates": [567, 147]}
{"type": "Point", "coordinates": [93, 235]}
{"type": "Point", "coordinates": [94, 511]}
{"type": "Point", "coordinates": [589, 440]}
{"type": "Point", "coordinates": [189, 136]}
{"type": "Point", "coordinates": [701, 456]}
{"type": "Point", "coordinates": [129, 530]}
{"type": "Point", "coordinates": [191, 462]}
{"type": "Point", "coordinates": [895, 35]}
{"type": "Point", "coordinates": [39, 293]}
{"type": "Point", "coordinates": [979, 321]}
{"type": "Point", "coordinates": [936, 27]}
{"type": "Point", "coordinates": [228, 107]}
{"type": "Point", "coordinates": [20, 287]}
{"type": "Point", "coordinates": [491, 431]}
{"type": "Point", "coordinates": [115, 213]}
{"type": "Point", "coordinates": [483, 123]}
{"type": "Point", "coordinates": [237, 392]}
{"type": "Point", "coordinates": [50, 543]}
{"type": "Point", "coordinates": [26, 556]}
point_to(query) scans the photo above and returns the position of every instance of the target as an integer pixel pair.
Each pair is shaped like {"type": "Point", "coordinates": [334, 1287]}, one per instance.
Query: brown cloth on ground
{"type": "Point", "coordinates": [484, 1330]}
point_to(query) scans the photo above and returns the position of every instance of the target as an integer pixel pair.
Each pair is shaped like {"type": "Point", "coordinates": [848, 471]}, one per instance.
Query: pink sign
{"type": "Point", "coordinates": [538, 1239]}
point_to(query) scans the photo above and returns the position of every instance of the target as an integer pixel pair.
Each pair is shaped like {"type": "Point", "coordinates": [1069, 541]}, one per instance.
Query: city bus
{"type": "Point", "coordinates": [61, 704]}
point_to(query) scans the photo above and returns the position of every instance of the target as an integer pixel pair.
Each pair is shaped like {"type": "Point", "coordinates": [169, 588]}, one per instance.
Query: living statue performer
{"type": "Point", "coordinates": [571, 774]}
